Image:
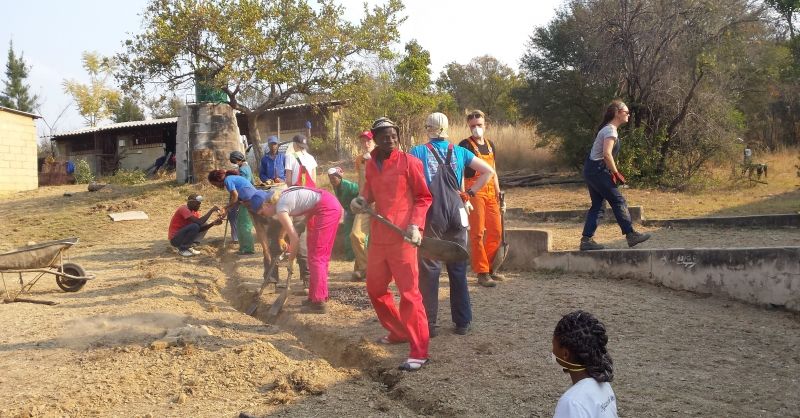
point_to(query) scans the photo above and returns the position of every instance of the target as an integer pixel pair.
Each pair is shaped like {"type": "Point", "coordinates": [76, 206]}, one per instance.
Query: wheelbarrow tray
{"type": "Point", "coordinates": [38, 256]}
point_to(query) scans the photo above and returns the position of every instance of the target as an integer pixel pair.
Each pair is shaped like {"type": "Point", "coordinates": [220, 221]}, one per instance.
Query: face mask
{"type": "Point", "coordinates": [477, 132]}
{"type": "Point", "coordinates": [573, 367]}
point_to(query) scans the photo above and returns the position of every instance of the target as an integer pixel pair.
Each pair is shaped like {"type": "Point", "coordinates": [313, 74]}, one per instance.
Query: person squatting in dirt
{"type": "Point", "coordinates": [447, 218]}
{"type": "Point", "coordinates": [235, 185]}
{"type": "Point", "coordinates": [396, 185]}
{"type": "Point", "coordinates": [187, 227]}
{"type": "Point", "coordinates": [579, 348]}
{"type": "Point", "coordinates": [603, 177]}
{"type": "Point", "coordinates": [485, 229]}
{"type": "Point", "coordinates": [322, 213]}
{"type": "Point", "coordinates": [360, 231]}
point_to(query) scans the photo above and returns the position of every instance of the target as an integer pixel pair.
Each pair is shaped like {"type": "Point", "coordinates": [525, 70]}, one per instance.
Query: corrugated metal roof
{"type": "Point", "coordinates": [121, 125]}
{"type": "Point", "coordinates": [19, 112]}
{"type": "Point", "coordinates": [312, 104]}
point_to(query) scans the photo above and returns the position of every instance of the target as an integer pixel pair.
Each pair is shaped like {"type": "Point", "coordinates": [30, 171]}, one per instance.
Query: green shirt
{"type": "Point", "coordinates": [345, 193]}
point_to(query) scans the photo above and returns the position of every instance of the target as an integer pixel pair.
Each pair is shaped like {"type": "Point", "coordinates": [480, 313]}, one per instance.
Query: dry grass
{"type": "Point", "coordinates": [516, 146]}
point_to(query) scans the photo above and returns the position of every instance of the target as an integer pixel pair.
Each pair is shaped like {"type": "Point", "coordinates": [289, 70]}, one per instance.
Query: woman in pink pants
{"type": "Point", "coordinates": [323, 214]}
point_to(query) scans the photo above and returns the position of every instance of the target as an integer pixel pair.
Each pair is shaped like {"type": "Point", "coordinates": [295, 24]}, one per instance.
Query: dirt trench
{"type": "Point", "coordinates": [336, 349]}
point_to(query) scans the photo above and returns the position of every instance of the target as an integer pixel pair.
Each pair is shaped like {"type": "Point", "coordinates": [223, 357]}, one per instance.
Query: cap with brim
{"type": "Point", "coordinates": [258, 198]}
{"type": "Point", "coordinates": [194, 197]}
{"type": "Point", "coordinates": [301, 141]}
{"type": "Point", "coordinates": [366, 136]}
{"type": "Point", "coordinates": [273, 140]}
{"type": "Point", "coordinates": [335, 171]}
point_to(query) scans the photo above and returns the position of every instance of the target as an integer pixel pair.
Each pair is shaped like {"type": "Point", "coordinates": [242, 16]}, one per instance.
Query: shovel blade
{"type": "Point", "coordinates": [447, 251]}
{"type": "Point", "coordinates": [276, 307]}
{"type": "Point", "coordinates": [500, 257]}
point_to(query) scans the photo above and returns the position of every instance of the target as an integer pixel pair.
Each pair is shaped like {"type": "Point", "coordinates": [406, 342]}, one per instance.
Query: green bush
{"type": "Point", "coordinates": [323, 150]}
{"type": "Point", "coordinates": [128, 177]}
{"type": "Point", "coordinates": [83, 173]}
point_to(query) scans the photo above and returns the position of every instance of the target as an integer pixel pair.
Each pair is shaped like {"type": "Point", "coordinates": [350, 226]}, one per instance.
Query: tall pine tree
{"type": "Point", "coordinates": [16, 94]}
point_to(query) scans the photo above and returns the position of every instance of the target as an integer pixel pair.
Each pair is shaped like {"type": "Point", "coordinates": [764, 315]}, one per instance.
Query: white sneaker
{"type": "Point", "coordinates": [186, 253]}
{"type": "Point", "coordinates": [193, 251]}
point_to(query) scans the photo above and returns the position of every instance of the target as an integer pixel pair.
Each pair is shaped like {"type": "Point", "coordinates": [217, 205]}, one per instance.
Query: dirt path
{"type": "Point", "coordinates": [676, 354]}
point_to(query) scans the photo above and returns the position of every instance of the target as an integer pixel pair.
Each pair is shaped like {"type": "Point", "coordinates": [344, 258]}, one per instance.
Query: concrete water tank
{"type": "Point", "coordinates": [207, 133]}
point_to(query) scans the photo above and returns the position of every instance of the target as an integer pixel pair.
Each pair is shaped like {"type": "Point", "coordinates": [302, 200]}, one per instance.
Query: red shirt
{"type": "Point", "coordinates": [180, 219]}
{"type": "Point", "coordinates": [400, 193]}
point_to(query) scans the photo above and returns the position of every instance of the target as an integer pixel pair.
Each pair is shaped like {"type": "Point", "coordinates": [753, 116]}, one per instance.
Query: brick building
{"type": "Point", "coordinates": [17, 150]}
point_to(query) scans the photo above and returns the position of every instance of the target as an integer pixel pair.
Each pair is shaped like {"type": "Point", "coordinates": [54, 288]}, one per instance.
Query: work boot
{"type": "Point", "coordinates": [634, 238]}
{"type": "Point", "coordinates": [314, 307]}
{"type": "Point", "coordinates": [485, 280]}
{"type": "Point", "coordinates": [588, 244]}
{"type": "Point", "coordinates": [497, 277]}
{"type": "Point", "coordinates": [462, 330]}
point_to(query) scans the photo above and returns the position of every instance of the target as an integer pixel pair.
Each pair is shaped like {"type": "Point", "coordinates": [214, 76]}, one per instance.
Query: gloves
{"type": "Point", "coordinates": [283, 244]}
{"type": "Point", "coordinates": [358, 205]}
{"type": "Point", "coordinates": [617, 178]}
{"type": "Point", "coordinates": [413, 235]}
{"type": "Point", "coordinates": [468, 206]}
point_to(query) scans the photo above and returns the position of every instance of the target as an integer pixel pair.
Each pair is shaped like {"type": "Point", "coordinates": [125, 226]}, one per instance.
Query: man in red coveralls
{"type": "Point", "coordinates": [396, 183]}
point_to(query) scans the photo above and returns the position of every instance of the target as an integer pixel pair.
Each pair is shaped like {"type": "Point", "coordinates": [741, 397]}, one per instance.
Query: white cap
{"type": "Point", "coordinates": [436, 125]}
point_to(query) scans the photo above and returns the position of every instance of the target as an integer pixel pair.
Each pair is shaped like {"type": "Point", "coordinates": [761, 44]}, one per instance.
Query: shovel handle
{"type": "Point", "coordinates": [385, 221]}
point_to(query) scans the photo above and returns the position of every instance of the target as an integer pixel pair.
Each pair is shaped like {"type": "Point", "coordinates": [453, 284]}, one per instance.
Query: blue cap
{"type": "Point", "coordinates": [258, 198]}
{"type": "Point", "coordinates": [273, 140]}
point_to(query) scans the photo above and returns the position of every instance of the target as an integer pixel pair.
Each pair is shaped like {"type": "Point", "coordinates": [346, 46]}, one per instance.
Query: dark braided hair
{"type": "Point", "coordinates": [585, 338]}
{"type": "Point", "coordinates": [217, 175]}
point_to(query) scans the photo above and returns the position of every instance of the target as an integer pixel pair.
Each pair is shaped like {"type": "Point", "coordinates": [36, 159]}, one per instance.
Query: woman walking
{"type": "Point", "coordinates": [323, 213]}
{"type": "Point", "coordinates": [602, 178]}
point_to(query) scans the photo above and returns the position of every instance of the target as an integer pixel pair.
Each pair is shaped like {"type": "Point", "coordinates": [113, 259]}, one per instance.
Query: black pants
{"type": "Point", "coordinates": [187, 236]}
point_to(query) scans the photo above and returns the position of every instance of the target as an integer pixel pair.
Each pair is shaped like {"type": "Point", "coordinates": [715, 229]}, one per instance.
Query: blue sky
{"type": "Point", "coordinates": [52, 34]}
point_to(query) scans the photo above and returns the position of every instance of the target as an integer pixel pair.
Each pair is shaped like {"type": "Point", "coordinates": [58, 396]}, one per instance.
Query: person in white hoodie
{"type": "Point", "coordinates": [579, 347]}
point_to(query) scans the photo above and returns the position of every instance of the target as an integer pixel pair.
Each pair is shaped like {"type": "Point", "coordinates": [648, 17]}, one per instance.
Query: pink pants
{"type": "Point", "coordinates": [322, 223]}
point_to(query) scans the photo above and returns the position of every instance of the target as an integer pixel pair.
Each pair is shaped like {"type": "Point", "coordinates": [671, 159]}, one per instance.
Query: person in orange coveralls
{"type": "Point", "coordinates": [396, 184]}
{"type": "Point", "coordinates": [485, 229]}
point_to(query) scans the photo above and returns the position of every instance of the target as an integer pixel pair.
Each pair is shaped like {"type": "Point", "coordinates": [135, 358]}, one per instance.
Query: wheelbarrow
{"type": "Point", "coordinates": [41, 259]}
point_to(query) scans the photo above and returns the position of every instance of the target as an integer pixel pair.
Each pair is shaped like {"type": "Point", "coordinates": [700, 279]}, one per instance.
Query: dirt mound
{"type": "Point", "coordinates": [110, 331]}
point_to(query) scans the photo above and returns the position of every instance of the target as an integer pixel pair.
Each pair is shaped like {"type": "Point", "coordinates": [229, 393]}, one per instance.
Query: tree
{"type": "Point", "coordinates": [669, 60]}
{"type": "Point", "coordinates": [787, 9]}
{"type": "Point", "coordinates": [164, 107]}
{"type": "Point", "coordinates": [282, 49]}
{"type": "Point", "coordinates": [126, 110]}
{"type": "Point", "coordinates": [485, 83]}
{"type": "Point", "coordinates": [16, 94]}
{"type": "Point", "coordinates": [95, 100]}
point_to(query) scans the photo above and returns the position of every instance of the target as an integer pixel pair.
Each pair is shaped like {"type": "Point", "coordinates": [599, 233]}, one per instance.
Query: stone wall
{"type": "Point", "coordinates": [207, 133]}
{"type": "Point", "coordinates": [17, 152]}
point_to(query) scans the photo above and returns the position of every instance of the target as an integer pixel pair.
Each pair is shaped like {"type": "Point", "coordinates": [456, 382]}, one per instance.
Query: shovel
{"type": "Point", "coordinates": [221, 250]}
{"type": "Point", "coordinates": [267, 275]}
{"type": "Point", "coordinates": [432, 248]}
{"type": "Point", "coordinates": [276, 307]}
{"type": "Point", "coordinates": [502, 251]}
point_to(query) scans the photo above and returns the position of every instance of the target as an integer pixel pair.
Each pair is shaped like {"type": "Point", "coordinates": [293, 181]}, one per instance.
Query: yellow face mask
{"type": "Point", "coordinates": [573, 367]}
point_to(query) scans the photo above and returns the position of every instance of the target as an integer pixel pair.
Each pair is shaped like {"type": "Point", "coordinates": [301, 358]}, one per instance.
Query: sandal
{"type": "Point", "coordinates": [413, 364]}
{"type": "Point", "coordinates": [386, 341]}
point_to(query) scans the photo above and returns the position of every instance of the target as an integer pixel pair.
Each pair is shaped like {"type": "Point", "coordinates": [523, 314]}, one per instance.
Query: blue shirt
{"type": "Point", "coordinates": [237, 183]}
{"type": "Point", "coordinates": [461, 158]}
{"type": "Point", "coordinates": [273, 167]}
{"type": "Point", "coordinates": [246, 172]}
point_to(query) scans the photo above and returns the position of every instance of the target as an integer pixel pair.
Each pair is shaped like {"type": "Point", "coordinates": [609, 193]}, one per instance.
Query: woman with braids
{"type": "Point", "coordinates": [579, 347]}
{"type": "Point", "coordinates": [602, 178]}
{"type": "Point", "coordinates": [323, 213]}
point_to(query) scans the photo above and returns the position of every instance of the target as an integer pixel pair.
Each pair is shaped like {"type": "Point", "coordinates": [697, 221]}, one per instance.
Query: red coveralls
{"type": "Point", "coordinates": [400, 194]}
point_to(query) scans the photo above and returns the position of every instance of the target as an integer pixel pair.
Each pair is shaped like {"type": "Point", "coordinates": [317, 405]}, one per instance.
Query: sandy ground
{"type": "Point", "coordinates": [676, 353]}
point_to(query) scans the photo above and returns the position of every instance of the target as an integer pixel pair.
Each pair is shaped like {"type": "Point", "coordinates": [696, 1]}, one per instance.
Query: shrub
{"type": "Point", "coordinates": [83, 173]}
{"type": "Point", "coordinates": [128, 177]}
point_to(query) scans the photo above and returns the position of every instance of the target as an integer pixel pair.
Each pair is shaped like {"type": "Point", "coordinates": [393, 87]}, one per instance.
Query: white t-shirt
{"type": "Point", "coordinates": [587, 399]}
{"type": "Point", "coordinates": [297, 201]}
{"type": "Point", "coordinates": [291, 164]}
{"type": "Point", "coordinates": [597, 147]}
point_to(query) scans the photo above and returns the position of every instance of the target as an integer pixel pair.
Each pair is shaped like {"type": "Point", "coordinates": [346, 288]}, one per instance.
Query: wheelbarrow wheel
{"type": "Point", "coordinates": [71, 285]}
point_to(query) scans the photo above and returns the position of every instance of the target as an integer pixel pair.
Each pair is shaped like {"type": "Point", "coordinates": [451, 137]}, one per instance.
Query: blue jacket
{"type": "Point", "coordinates": [273, 167]}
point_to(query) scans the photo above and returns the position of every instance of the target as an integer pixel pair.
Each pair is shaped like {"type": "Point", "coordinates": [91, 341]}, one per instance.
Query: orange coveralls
{"type": "Point", "coordinates": [485, 230]}
{"type": "Point", "coordinates": [398, 188]}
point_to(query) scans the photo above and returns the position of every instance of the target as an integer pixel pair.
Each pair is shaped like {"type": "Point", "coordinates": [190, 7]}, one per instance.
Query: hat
{"type": "Point", "coordinates": [367, 134]}
{"type": "Point", "coordinates": [194, 197]}
{"type": "Point", "coordinates": [384, 122]}
{"type": "Point", "coordinates": [258, 198]}
{"type": "Point", "coordinates": [436, 125]}
{"type": "Point", "coordinates": [236, 156]}
{"type": "Point", "coordinates": [335, 171]}
{"type": "Point", "coordinates": [301, 141]}
{"type": "Point", "coordinates": [273, 140]}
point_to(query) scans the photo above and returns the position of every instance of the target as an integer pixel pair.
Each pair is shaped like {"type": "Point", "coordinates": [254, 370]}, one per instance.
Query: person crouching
{"type": "Point", "coordinates": [187, 226]}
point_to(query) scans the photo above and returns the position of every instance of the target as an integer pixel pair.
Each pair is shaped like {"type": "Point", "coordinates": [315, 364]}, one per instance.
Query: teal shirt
{"type": "Point", "coordinates": [246, 172]}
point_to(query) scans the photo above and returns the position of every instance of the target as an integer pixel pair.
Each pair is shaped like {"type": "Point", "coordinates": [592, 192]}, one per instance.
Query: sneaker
{"type": "Point", "coordinates": [497, 277]}
{"type": "Point", "coordinates": [634, 238]}
{"type": "Point", "coordinates": [485, 280]}
{"type": "Point", "coordinates": [186, 253]}
{"type": "Point", "coordinates": [589, 244]}
{"type": "Point", "coordinates": [314, 307]}
{"type": "Point", "coordinates": [193, 251]}
{"type": "Point", "coordinates": [462, 330]}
